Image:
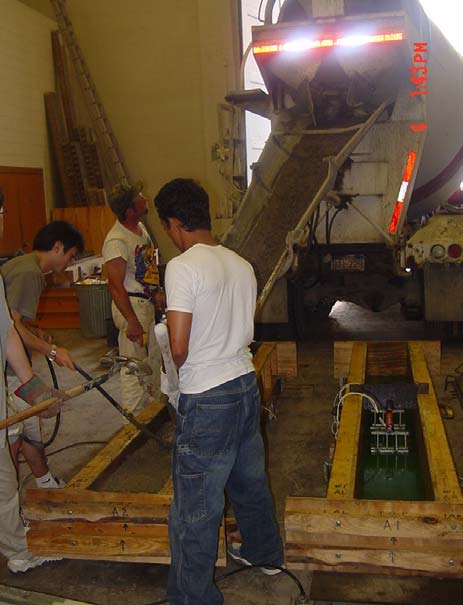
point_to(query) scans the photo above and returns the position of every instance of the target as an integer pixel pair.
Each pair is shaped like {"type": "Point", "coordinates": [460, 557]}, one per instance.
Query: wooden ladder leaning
{"type": "Point", "coordinates": [98, 115]}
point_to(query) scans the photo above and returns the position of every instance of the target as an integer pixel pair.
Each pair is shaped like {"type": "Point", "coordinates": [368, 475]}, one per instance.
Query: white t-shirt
{"type": "Point", "coordinates": [219, 288]}
{"type": "Point", "coordinates": [138, 251]}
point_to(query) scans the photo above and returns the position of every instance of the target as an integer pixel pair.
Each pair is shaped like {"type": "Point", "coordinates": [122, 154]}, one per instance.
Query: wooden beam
{"type": "Point", "coordinates": [115, 526]}
{"type": "Point", "coordinates": [115, 449]}
{"type": "Point", "coordinates": [78, 504]}
{"type": "Point", "coordinates": [417, 536]}
{"type": "Point", "coordinates": [343, 353]}
{"type": "Point", "coordinates": [376, 561]}
{"type": "Point", "coordinates": [286, 359]}
{"type": "Point", "coordinates": [444, 478]}
{"type": "Point", "coordinates": [344, 470]}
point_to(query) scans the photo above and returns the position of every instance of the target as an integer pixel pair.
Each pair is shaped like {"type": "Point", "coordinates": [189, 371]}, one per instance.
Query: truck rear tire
{"type": "Point", "coordinates": [305, 317]}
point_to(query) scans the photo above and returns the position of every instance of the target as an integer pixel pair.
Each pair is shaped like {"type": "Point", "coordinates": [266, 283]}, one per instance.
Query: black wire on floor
{"type": "Point", "coordinates": [301, 598]}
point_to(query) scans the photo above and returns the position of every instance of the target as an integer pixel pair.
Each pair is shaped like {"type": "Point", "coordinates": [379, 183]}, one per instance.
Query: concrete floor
{"type": "Point", "coordinates": [298, 443]}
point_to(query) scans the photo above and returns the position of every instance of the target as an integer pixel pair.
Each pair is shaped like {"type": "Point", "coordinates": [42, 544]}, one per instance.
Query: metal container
{"type": "Point", "coordinates": [94, 307]}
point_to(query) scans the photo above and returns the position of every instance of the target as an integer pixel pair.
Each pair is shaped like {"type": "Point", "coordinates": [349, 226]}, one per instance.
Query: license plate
{"type": "Point", "coordinates": [348, 262]}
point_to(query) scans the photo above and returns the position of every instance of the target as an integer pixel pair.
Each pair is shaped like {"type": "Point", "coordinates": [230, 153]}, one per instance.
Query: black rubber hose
{"type": "Point", "coordinates": [130, 417]}
{"type": "Point", "coordinates": [58, 416]}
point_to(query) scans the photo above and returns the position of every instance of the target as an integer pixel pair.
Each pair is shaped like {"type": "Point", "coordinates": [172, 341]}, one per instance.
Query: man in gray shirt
{"type": "Point", "coordinates": [13, 544]}
{"type": "Point", "coordinates": [54, 247]}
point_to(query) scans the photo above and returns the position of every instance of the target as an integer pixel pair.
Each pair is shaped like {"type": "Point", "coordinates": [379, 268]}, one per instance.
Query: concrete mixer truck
{"type": "Point", "coordinates": [348, 198]}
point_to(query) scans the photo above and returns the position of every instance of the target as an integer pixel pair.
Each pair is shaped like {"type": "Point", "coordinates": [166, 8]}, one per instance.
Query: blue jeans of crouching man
{"type": "Point", "coordinates": [218, 448]}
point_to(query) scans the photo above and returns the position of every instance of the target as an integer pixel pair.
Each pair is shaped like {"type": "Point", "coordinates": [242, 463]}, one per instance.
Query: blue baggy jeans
{"type": "Point", "coordinates": [218, 448]}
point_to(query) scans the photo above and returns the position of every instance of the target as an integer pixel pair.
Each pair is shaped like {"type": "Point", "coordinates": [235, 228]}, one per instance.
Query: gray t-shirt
{"type": "Point", "coordinates": [24, 284]}
{"type": "Point", "coordinates": [5, 325]}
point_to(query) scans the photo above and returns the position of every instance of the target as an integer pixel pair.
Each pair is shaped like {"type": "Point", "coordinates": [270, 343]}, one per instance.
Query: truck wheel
{"type": "Point", "coordinates": [412, 312]}
{"type": "Point", "coordinates": [306, 318]}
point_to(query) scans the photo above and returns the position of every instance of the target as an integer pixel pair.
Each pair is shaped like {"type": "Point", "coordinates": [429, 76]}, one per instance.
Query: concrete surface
{"type": "Point", "coordinates": [297, 442]}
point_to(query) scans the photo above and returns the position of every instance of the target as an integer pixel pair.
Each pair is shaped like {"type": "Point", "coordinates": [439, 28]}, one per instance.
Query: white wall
{"type": "Point", "coordinates": [26, 70]}
{"type": "Point", "coordinates": [161, 69]}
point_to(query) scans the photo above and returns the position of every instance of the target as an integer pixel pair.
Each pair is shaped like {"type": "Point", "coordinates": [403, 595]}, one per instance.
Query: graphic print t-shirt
{"type": "Point", "coordinates": [142, 275]}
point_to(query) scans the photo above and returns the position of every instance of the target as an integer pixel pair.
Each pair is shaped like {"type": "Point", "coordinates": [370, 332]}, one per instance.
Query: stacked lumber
{"type": "Point", "coordinates": [74, 145]}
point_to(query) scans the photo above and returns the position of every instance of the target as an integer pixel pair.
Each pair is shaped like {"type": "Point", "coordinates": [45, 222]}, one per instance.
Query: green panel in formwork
{"type": "Point", "coordinates": [394, 476]}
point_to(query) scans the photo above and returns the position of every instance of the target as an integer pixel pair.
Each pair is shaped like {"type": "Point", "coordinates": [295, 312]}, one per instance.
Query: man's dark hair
{"type": "Point", "coordinates": [185, 200]}
{"type": "Point", "coordinates": [58, 231]}
{"type": "Point", "coordinates": [121, 201]}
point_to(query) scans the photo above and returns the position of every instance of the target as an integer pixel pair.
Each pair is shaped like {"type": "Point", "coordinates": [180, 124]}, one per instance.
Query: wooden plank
{"type": "Point", "coordinates": [58, 136]}
{"type": "Point", "coordinates": [127, 540]}
{"type": "Point", "coordinates": [295, 541]}
{"type": "Point", "coordinates": [112, 451]}
{"type": "Point", "coordinates": [286, 359]}
{"type": "Point", "coordinates": [168, 488]}
{"type": "Point", "coordinates": [70, 503]}
{"type": "Point", "coordinates": [444, 479]}
{"type": "Point", "coordinates": [262, 357]}
{"type": "Point", "coordinates": [59, 293]}
{"type": "Point", "coordinates": [63, 81]}
{"type": "Point", "coordinates": [344, 470]}
{"type": "Point", "coordinates": [387, 359]}
{"type": "Point", "coordinates": [394, 527]}
{"type": "Point", "coordinates": [419, 561]}
{"type": "Point", "coordinates": [321, 532]}
{"type": "Point", "coordinates": [58, 305]}
{"type": "Point", "coordinates": [57, 320]}
{"type": "Point", "coordinates": [343, 353]}
{"type": "Point", "coordinates": [378, 508]}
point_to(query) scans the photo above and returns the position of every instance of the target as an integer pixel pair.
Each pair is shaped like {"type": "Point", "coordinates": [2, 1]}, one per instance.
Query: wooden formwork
{"type": "Point", "coordinates": [79, 522]}
{"type": "Point", "coordinates": [345, 534]}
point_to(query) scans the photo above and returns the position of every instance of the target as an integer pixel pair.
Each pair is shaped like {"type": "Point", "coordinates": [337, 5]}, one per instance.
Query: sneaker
{"type": "Point", "coordinates": [234, 552]}
{"type": "Point", "coordinates": [20, 565]}
{"type": "Point", "coordinates": [51, 483]}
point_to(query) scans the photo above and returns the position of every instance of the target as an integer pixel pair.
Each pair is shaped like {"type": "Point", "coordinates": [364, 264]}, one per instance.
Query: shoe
{"type": "Point", "coordinates": [51, 483]}
{"type": "Point", "coordinates": [20, 565]}
{"type": "Point", "coordinates": [234, 552]}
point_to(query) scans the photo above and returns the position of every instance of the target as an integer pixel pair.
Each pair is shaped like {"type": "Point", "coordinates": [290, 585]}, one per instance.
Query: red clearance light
{"type": "Point", "coordinates": [411, 159]}
{"type": "Point", "coordinates": [454, 251]}
{"type": "Point", "coordinates": [308, 44]}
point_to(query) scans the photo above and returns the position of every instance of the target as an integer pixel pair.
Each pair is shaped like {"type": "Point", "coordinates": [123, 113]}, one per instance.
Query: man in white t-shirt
{"type": "Point", "coordinates": [211, 297]}
{"type": "Point", "coordinates": [133, 277]}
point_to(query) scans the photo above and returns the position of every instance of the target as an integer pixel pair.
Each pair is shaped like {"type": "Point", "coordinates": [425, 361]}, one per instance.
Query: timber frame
{"type": "Point", "coordinates": [344, 534]}
{"type": "Point", "coordinates": [79, 522]}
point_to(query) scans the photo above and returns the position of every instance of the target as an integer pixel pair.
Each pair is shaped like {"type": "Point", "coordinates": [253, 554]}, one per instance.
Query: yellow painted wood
{"type": "Point", "coordinates": [444, 479]}
{"type": "Point", "coordinates": [114, 449]}
{"type": "Point", "coordinates": [263, 356]}
{"type": "Point", "coordinates": [344, 469]}
{"type": "Point", "coordinates": [168, 488]}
